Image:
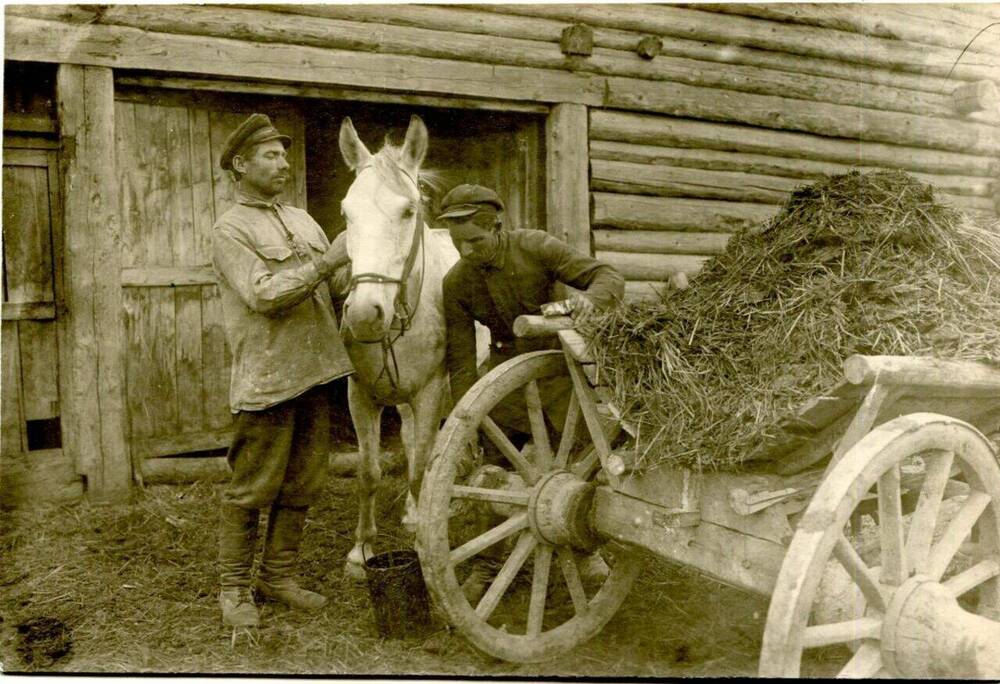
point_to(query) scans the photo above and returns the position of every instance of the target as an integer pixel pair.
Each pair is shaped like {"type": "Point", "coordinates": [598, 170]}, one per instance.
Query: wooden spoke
{"type": "Point", "coordinates": [539, 589]}
{"type": "Point", "coordinates": [503, 496]}
{"type": "Point", "coordinates": [583, 468]}
{"type": "Point", "coordinates": [510, 452]}
{"type": "Point", "coordinates": [860, 573]}
{"type": "Point", "coordinates": [890, 523]}
{"type": "Point", "coordinates": [539, 433]}
{"type": "Point", "coordinates": [957, 531]}
{"type": "Point", "coordinates": [569, 431]}
{"type": "Point", "coordinates": [512, 525]}
{"type": "Point", "coordinates": [918, 544]}
{"type": "Point", "coordinates": [972, 577]}
{"type": "Point", "coordinates": [525, 543]}
{"type": "Point", "coordinates": [573, 583]}
{"type": "Point", "coordinates": [865, 664]}
{"type": "Point", "coordinates": [841, 632]}
{"type": "Point", "coordinates": [588, 406]}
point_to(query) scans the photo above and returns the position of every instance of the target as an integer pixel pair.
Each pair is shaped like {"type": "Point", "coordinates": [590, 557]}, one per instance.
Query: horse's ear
{"type": "Point", "coordinates": [354, 151]}
{"type": "Point", "coordinates": [415, 145]}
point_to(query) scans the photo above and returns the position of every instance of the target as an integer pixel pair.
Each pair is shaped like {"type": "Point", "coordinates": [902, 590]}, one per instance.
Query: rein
{"type": "Point", "coordinates": [403, 312]}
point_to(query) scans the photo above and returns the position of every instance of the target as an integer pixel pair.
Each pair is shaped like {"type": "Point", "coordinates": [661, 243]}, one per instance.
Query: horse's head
{"type": "Point", "coordinates": [383, 213]}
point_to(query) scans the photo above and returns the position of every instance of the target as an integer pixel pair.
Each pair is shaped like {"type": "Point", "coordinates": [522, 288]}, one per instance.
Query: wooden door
{"type": "Point", "coordinates": [34, 465]}
{"type": "Point", "coordinates": [177, 360]}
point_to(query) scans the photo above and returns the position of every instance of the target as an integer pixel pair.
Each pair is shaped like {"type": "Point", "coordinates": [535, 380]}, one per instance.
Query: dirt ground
{"type": "Point", "coordinates": [132, 589]}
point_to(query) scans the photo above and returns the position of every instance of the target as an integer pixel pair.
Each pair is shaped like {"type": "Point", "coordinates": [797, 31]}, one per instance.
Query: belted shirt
{"type": "Point", "coordinates": [276, 303]}
{"type": "Point", "coordinates": [517, 281]}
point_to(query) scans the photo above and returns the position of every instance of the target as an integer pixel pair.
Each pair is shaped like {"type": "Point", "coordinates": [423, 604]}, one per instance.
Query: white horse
{"type": "Point", "coordinates": [393, 316]}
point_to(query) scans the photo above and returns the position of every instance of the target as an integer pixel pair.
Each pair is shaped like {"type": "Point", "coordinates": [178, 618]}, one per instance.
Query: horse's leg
{"type": "Point", "coordinates": [366, 416]}
{"type": "Point", "coordinates": [425, 414]}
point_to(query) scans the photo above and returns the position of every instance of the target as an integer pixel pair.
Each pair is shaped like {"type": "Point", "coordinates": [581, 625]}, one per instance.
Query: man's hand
{"type": "Point", "coordinates": [581, 304]}
{"type": "Point", "coordinates": [334, 257]}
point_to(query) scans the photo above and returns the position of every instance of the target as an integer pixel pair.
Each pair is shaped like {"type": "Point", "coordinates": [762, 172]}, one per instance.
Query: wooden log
{"type": "Point", "coordinates": [974, 97]}
{"type": "Point", "coordinates": [821, 118]}
{"type": "Point", "coordinates": [652, 266]}
{"type": "Point", "coordinates": [91, 368]}
{"type": "Point", "coordinates": [266, 26]}
{"type": "Point", "coordinates": [541, 326]}
{"type": "Point", "coordinates": [921, 372]}
{"type": "Point", "coordinates": [464, 19]}
{"type": "Point", "coordinates": [768, 165]}
{"type": "Point", "coordinates": [185, 469]}
{"type": "Point", "coordinates": [637, 212]}
{"type": "Point", "coordinates": [667, 181]}
{"type": "Point", "coordinates": [566, 153]}
{"type": "Point", "coordinates": [127, 47]}
{"type": "Point", "coordinates": [659, 242]}
{"type": "Point", "coordinates": [672, 132]}
{"type": "Point", "coordinates": [761, 34]}
{"type": "Point", "coordinates": [881, 21]}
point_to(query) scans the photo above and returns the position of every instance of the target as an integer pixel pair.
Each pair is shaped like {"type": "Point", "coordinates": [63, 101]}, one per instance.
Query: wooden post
{"type": "Point", "coordinates": [92, 340]}
{"type": "Point", "coordinates": [566, 161]}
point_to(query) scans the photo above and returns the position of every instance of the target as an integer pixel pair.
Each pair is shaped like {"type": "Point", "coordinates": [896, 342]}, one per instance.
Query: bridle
{"type": "Point", "coordinates": [403, 311]}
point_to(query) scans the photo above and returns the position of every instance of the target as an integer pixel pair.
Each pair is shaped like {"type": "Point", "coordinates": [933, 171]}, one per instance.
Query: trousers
{"type": "Point", "coordinates": [280, 455]}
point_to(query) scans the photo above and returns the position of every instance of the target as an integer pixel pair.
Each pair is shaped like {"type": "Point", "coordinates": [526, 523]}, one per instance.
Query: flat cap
{"type": "Point", "coordinates": [466, 199]}
{"type": "Point", "coordinates": [255, 130]}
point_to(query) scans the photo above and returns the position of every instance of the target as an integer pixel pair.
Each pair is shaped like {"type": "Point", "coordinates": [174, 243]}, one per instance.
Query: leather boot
{"type": "Point", "coordinates": [276, 579]}
{"type": "Point", "coordinates": [237, 542]}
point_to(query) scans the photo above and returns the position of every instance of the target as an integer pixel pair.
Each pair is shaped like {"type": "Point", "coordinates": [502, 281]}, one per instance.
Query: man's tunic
{"type": "Point", "coordinates": [518, 281]}
{"type": "Point", "coordinates": [279, 316]}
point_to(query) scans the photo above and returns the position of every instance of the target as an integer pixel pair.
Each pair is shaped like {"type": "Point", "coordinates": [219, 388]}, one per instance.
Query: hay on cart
{"type": "Point", "coordinates": [855, 264]}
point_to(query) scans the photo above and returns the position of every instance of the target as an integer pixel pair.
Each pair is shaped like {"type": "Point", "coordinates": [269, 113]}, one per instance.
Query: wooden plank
{"type": "Point", "coordinates": [126, 47]}
{"type": "Point", "coordinates": [330, 93]}
{"type": "Point", "coordinates": [566, 174]}
{"type": "Point", "coordinates": [659, 242]}
{"type": "Point", "coordinates": [221, 124]}
{"type": "Point", "coordinates": [187, 443]}
{"type": "Point", "coordinates": [138, 363]}
{"type": "Point", "coordinates": [638, 212]}
{"type": "Point", "coordinates": [671, 132]}
{"type": "Point", "coordinates": [49, 477]}
{"type": "Point", "coordinates": [29, 311]}
{"type": "Point", "coordinates": [13, 440]}
{"type": "Point", "coordinates": [39, 369]}
{"type": "Point", "coordinates": [27, 246]}
{"type": "Point", "coordinates": [202, 200]}
{"type": "Point", "coordinates": [666, 181]}
{"type": "Point", "coordinates": [215, 360]}
{"type": "Point", "coordinates": [178, 154]}
{"type": "Point", "coordinates": [189, 395]}
{"type": "Point", "coordinates": [130, 159]}
{"type": "Point", "coordinates": [769, 165]}
{"type": "Point", "coordinates": [652, 266]}
{"type": "Point", "coordinates": [161, 339]}
{"type": "Point", "coordinates": [167, 276]}
{"type": "Point", "coordinates": [91, 370]}
{"type": "Point", "coordinates": [17, 122]}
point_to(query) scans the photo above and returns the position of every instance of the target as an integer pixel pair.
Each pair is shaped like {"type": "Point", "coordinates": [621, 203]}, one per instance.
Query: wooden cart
{"type": "Point", "coordinates": [875, 522]}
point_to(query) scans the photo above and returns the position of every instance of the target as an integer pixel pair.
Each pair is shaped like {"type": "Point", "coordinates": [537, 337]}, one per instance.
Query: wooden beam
{"type": "Point", "coordinates": [167, 276]}
{"type": "Point", "coordinates": [325, 93]}
{"type": "Point", "coordinates": [29, 311]}
{"type": "Point", "coordinates": [187, 443]}
{"type": "Point", "coordinates": [769, 165]}
{"type": "Point", "coordinates": [185, 469]}
{"type": "Point", "coordinates": [92, 335]}
{"type": "Point", "coordinates": [638, 212]}
{"type": "Point", "coordinates": [673, 132]}
{"type": "Point", "coordinates": [131, 48]}
{"type": "Point", "coordinates": [567, 191]}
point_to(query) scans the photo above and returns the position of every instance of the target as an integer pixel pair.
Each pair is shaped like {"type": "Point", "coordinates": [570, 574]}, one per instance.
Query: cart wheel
{"type": "Point", "coordinates": [850, 578]}
{"type": "Point", "coordinates": [536, 536]}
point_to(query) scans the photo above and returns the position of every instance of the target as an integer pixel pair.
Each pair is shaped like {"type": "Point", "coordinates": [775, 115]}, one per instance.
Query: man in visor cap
{"type": "Point", "coordinates": [273, 262]}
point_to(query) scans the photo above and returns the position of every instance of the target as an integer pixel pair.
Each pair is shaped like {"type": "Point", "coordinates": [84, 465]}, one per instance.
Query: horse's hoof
{"type": "Point", "coordinates": [355, 571]}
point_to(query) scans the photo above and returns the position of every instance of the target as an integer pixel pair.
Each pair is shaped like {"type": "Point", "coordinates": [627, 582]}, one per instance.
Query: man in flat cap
{"type": "Point", "coordinates": [502, 274]}
{"type": "Point", "coordinates": [273, 262]}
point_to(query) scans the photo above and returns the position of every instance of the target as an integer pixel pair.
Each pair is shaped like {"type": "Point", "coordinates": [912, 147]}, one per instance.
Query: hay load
{"type": "Point", "coordinates": [856, 264]}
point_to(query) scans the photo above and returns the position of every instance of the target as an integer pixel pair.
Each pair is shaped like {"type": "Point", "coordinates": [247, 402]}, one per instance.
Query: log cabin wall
{"type": "Point", "coordinates": [652, 159]}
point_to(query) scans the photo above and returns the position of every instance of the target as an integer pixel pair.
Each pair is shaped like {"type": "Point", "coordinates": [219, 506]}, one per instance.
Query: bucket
{"type": "Point", "coordinates": [399, 596]}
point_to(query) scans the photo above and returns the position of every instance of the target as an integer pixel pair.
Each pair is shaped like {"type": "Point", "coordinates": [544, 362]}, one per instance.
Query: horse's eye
{"type": "Point", "coordinates": [408, 212]}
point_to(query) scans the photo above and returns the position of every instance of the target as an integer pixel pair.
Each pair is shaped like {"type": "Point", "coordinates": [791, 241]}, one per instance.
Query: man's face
{"type": "Point", "coordinates": [478, 245]}
{"type": "Point", "coordinates": [264, 168]}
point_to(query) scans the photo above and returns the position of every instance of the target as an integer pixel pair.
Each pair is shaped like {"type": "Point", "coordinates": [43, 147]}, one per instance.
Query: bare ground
{"type": "Point", "coordinates": [132, 588]}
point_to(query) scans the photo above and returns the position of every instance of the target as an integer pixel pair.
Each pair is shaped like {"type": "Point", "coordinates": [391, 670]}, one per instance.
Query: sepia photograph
{"type": "Point", "coordinates": [501, 341]}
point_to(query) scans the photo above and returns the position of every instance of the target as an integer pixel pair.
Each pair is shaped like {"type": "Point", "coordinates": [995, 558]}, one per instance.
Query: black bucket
{"type": "Point", "coordinates": [399, 597]}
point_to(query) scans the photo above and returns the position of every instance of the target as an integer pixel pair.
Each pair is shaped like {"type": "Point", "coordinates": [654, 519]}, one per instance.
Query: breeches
{"type": "Point", "coordinates": [512, 411]}
{"type": "Point", "coordinates": [281, 454]}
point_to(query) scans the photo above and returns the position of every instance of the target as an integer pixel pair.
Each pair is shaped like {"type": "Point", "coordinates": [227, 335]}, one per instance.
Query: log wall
{"type": "Point", "coordinates": [742, 104]}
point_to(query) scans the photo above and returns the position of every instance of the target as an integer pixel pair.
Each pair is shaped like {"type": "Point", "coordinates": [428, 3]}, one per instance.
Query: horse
{"type": "Point", "coordinates": [393, 317]}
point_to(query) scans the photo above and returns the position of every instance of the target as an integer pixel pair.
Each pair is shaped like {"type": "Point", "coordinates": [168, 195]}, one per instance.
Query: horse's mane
{"type": "Point", "coordinates": [387, 164]}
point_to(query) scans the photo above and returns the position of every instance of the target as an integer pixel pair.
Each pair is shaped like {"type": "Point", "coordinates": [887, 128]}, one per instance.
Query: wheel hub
{"type": "Point", "coordinates": [559, 508]}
